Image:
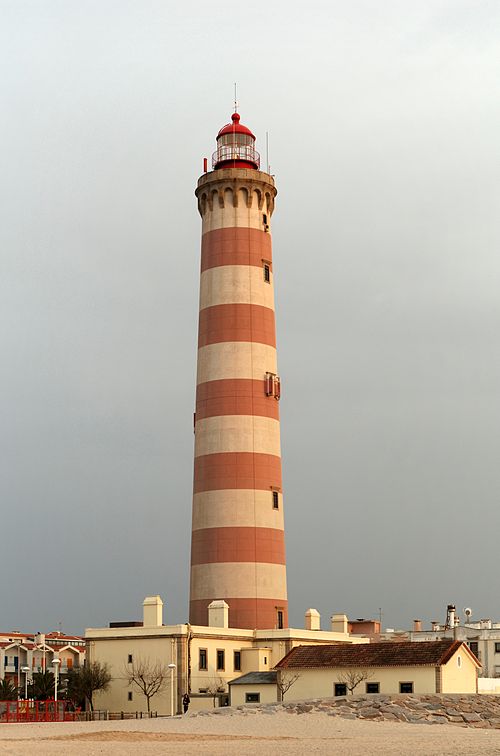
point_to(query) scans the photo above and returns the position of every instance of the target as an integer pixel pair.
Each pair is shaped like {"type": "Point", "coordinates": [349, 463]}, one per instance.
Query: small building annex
{"type": "Point", "coordinates": [444, 666]}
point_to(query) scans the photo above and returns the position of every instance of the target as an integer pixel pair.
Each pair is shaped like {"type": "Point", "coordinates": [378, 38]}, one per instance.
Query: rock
{"type": "Point", "coordinates": [303, 708]}
{"type": "Point", "coordinates": [369, 712]}
{"type": "Point", "coordinates": [471, 717]}
{"type": "Point", "coordinates": [435, 719]}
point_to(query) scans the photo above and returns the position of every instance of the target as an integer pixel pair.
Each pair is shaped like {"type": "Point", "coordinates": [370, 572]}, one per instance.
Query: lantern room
{"type": "Point", "coordinates": [235, 147]}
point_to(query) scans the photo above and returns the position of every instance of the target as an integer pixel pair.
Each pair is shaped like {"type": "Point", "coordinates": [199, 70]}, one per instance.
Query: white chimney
{"type": "Point", "coordinates": [313, 619]}
{"type": "Point", "coordinates": [451, 615]}
{"type": "Point", "coordinates": [218, 614]}
{"type": "Point", "coordinates": [152, 611]}
{"type": "Point", "coordinates": [417, 626]}
{"type": "Point", "coordinates": [339, 623]}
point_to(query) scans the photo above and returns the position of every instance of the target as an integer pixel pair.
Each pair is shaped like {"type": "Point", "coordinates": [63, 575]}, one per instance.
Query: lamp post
{"type": "Point", "coordinates": [55, 663]}
{"type": "Point", "coordinates": [171, 667]}
{"type": "Point", "coordinates": [26, 670]}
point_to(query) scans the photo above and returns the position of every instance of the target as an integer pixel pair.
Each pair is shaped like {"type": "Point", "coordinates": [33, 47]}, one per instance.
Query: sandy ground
{"type": "Point", "coordinates": [275, 734]}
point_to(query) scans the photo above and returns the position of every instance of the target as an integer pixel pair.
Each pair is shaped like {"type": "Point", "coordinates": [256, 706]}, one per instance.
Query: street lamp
{"type": "Point", "coordinates": [55, 663]}
{"type": "Point", "coordinates": [171, 667]}
{"type": "Point", "coordinates": [26, 671]}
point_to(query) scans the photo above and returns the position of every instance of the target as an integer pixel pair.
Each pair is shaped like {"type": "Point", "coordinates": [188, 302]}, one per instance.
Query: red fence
{"type": "Point", "coordinates": [36, 711]}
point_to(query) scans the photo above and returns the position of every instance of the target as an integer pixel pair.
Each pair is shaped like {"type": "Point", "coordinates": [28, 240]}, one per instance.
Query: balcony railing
{"type": "Point", "coordinates": [235, 152]}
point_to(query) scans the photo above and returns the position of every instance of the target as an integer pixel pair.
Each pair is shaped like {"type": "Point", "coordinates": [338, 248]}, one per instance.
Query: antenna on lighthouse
{"type": "Point", "coordinates": [235, 99]}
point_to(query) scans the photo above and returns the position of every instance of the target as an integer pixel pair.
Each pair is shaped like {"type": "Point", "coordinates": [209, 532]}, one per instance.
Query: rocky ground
{"type": "Point", "coordinates": [463, 710]}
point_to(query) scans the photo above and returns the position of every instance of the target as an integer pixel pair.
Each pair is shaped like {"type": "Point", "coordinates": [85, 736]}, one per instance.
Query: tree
{"type": "Point", "coordinates": [353, 677]}
{"type": "Point", "coordinates": [151, 677]}
{"type": "Point", "coordinates": [214, 687]}
{"type": "Point", "coordinates": [8, 691]}
{"type": "Point", "coordinates": [83, 682]}
{"type": "Point", "coordinates": [285, 681]}
{"type": "Point", "coordinates": [42, 686]}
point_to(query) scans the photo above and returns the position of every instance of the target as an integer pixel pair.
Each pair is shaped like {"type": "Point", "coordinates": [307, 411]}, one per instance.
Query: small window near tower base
{"type": "Point", "coordinates": [237, 661]}
{"type": "Point", "coordinates": [264, 218]}
{"type": "Point", "coordinates": [202, 659]}
{"type": "Point", "coordinates": [280, 619]}
{"type": "Point", "coordinates": [276, 503]}
{"type": "Point", "coordinates": [129, 695]}
{"type": "Point", "coordinates": [221, 663]}
{"type": "Point", "coordinates": [267, 273]}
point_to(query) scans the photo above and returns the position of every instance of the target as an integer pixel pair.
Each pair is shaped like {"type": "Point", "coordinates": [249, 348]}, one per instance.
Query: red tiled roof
{"type": "Point", "coordinates": [60, 636]}
{"type": "Point", "coordinates": [403, 654]}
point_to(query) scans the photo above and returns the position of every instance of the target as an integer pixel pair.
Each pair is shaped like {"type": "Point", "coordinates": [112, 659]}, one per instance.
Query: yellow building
{"type": "Point", "coordinates": [206, 658]}
{"type": "Point", "coordinates": [445, 666]}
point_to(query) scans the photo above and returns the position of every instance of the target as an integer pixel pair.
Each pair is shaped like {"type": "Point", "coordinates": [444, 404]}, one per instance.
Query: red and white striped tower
{"type": "Point", "coordinates": [238, 545]}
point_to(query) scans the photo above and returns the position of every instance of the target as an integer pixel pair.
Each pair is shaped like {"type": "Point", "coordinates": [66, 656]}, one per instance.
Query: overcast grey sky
{"type": "Point", "coordinates": [384, 123]}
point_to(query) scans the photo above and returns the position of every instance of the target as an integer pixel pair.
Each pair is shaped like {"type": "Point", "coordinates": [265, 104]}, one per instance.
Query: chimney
{"type": "Point", "coordinates": [417, 626]}
{"type": "Point", "coordinates": [218, 614]}
{"type": "Point", "coordinates": [450, 615]}
{"type": "Point", "coordinates": [152, 611]}
{"type": "Point", "coordinates": [434, 626]}
{"type": "Point", "coordinates": [313, 620]}
{"type": "Point", "coordinates": [339, 623]}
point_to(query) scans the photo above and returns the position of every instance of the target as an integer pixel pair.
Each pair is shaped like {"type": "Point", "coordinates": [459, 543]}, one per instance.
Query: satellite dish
{"type": "Point", "coordinates": [468, 612]}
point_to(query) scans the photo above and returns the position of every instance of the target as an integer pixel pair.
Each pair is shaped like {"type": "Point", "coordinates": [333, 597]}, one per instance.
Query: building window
{"type": "Point", "coordinates": [264, 218]}
{"type": "Point", "coordinates": [265, 659]}
{"type": "Point", "coordinates": [280, 619]}
{"type": "Point", "coordinates": [202, 664]}
{"type": "Point", "coordinates": [340, 689]}
{"type": "Point", "coordinates": [276, 501]}
{"type": "Point", "coordinates": [252, 697]}
{"type": "Point", "coordinates": [221, 659]}
{"type": "Point", "coordinates": [267, 273]}
{"type": "Point", "coordinates": [497, 648]}
{"type": "Point", "coordinates": [130, 659]}
{"type": "Point", "coordinates": [459, 661]}
{"type": "Point", "coordinates": [237, 661]}
{"type": "Point", "coordinates": [129, 695]}
{"type": "Point", "coordinates": [373, 687]}
{"type": "Point", "coordinates": [474, 647]}
{"type": "Point", "coordinates": [406, 687]}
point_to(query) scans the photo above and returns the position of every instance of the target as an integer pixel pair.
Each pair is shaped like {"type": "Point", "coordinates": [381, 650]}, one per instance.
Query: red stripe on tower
{"type": "Point", "coordinates": [238, 544]}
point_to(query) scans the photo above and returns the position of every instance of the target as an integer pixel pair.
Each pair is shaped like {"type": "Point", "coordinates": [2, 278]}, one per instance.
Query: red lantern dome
{"type": "Point", "coordinates": [235, 147]}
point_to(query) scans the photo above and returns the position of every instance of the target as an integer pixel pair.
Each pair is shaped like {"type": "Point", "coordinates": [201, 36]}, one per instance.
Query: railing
{"type": "Point", "coordinates": [61, 711]}
{"type": "Point", "coordinates": [35, 711]}
{"type": "Point", "coordinates": [235, 152]}
{"type": "Point", "coordinates": [97, 715]}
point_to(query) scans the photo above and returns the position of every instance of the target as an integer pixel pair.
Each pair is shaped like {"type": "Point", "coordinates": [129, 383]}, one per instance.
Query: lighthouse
{"type": "Point", "coordinates": [238, 544]}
